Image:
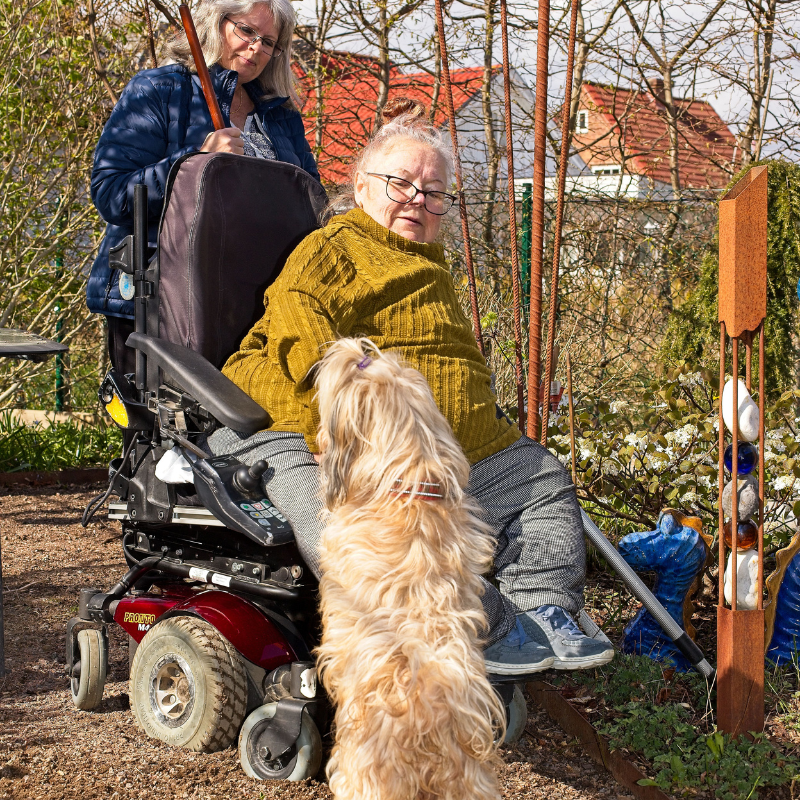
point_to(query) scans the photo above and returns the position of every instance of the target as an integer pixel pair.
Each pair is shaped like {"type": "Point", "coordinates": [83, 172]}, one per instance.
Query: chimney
{"type": "Point", "coordinates": [656, 86]}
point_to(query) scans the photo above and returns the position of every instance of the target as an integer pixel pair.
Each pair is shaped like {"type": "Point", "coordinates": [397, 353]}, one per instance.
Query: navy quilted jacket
{"type": "Point", "coordinates": [161, 116]}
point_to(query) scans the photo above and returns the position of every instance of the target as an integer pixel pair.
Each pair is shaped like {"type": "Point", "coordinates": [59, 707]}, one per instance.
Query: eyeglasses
{"type": "Point", "coordinates": [247, 34]}
{"type": "Point", "coordinates": [402, 191]}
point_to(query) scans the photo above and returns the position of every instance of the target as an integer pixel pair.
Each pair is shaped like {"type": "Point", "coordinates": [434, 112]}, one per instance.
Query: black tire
{"type": "Point", "coordinates": [301, 761]}
{"type": "Point", "coordinates": [87, 688]}
{"type": "Point", "coordinates": [188, 686]}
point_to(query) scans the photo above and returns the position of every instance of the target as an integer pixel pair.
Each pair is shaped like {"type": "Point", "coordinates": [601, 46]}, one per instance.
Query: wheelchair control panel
{"type": "Point", "coordinates": [233, 493]}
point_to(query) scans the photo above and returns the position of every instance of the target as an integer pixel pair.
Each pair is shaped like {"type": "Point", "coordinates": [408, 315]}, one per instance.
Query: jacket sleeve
{"type": "Point", "coordinates": [301, 146]}
{"type": "Point", "coordinates": [133, 149]}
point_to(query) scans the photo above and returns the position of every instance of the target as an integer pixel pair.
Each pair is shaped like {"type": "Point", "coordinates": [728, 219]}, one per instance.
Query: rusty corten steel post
{"type": "Point", "coordinates": [721, 480]}
{"type": "Point", "coordinates": [735, 475]}
{"type": "Point", "coordinates": [537, 220]}
{"type": "Point", "coordinates": [562, 180]}
{"type": "Point", "coordinates": [742, 310]}
{"type": "Point", "coordinates": [512, 219]}
{"type": "Point", "coordinates": [761, 409]}
{"type": "Point", "coordinates": [462, 205]}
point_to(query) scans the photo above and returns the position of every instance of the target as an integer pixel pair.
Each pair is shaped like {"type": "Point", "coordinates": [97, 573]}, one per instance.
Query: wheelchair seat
{"type": "Point", "coordinates": [228, 225]}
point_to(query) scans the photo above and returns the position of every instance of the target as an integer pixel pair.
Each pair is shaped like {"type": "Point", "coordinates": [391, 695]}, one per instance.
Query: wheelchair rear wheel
{"type": "Point", "coordinates": [188, 685]}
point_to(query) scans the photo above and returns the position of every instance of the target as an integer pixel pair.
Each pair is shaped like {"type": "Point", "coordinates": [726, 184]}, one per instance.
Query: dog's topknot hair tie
{"type": "Point", "coordinates": [365, 362]}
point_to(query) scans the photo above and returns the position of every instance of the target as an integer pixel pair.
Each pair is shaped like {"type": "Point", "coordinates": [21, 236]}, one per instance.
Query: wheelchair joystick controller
{"type": "Point", "coordinates": [248, 481]}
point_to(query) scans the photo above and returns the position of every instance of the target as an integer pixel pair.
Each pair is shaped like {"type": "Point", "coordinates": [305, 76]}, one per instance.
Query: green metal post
{"type": "Point", "coordinates": [61, 387]}
{"type": "Point", "coordinates": [525, 254]}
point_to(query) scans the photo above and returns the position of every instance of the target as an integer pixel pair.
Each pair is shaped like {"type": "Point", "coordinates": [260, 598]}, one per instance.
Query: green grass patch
{"type": "Point", "coordinates": [663, 719]}
{"type": "Point", "coordinates": [64, 445]}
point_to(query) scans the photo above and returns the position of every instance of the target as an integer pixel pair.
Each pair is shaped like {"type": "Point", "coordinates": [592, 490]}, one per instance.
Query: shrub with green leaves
{"type": "Point", "coordinates": [641, 713]}
{"type": "Point", "coordinates": [635, 459]}
{"type": "Point", "coordinates": [693, 332]}
{"type": "Point", "coordinates": [64, 445]}
{"type": "Point", "coordinates": [684, 759]}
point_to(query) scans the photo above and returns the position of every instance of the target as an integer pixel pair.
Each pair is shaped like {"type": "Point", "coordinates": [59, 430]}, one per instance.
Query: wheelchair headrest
{"type": "Point", "coordinates": [228, 226]}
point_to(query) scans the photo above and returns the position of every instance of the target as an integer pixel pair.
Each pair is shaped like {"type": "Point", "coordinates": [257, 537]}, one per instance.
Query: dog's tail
{"type": "Point", "coordinates": [417, 721]}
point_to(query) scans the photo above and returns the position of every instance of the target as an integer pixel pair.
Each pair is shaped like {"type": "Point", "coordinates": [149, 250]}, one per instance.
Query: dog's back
{"type": "Point", "coordinates": [401, 558]}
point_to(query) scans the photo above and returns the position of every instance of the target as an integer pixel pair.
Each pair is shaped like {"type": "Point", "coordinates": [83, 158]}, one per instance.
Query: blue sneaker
{"type": "Point", "coordinates": [517, 654]}
{"type": "Point", "coordinates": [553, 627]}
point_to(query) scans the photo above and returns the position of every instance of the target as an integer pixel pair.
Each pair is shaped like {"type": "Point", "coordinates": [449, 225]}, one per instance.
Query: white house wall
{"type": "Point", "coordinates": [472, 139]}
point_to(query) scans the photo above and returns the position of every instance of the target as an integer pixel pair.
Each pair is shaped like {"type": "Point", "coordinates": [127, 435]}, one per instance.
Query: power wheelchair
{"type": "Point", "coordinates": [221, 614]}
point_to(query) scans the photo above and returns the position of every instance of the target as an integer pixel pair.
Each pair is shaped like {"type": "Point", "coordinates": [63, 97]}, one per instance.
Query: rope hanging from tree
{"type": "Point", "coordinates": [462, 205]}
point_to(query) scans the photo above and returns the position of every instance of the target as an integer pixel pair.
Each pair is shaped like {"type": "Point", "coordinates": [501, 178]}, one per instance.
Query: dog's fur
{"type": "Point", "coordinates": [400, 655]}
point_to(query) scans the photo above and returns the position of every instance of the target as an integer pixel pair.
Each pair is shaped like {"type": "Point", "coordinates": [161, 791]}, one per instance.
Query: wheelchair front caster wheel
{"type": "Point", "coordinates": [301, 761]}
{"type": "Point", "coordinates": [89, 673]}
{"type": "Point", "coordinates": [516, 716]}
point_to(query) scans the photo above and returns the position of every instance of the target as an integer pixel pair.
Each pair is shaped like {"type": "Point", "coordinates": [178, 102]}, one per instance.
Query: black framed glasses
{"type": "Point", "coordinates": [402, 191]}
{"type": "Point", "coordinates": [247, 34]}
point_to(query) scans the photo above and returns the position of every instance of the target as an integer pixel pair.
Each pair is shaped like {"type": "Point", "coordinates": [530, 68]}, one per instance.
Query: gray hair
{"type": "Point", "coordinates": [406, 126]}
{"type": "Point", "coordinates": [277, 79]}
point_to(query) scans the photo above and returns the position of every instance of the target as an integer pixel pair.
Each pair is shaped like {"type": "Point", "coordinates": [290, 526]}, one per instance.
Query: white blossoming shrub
{"type": "Point", "coordinates": [633, 460]}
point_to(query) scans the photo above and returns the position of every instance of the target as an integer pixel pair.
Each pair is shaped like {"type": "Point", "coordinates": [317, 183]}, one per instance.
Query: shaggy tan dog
{"type": "Point", "coordinates": [416, 717]}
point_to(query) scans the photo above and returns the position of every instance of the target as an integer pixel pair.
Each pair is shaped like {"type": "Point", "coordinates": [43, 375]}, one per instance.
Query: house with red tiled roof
{"type": "Point", "coordinates": [350, 98]}
{"type": "Point", "coordinates": [622, 135]}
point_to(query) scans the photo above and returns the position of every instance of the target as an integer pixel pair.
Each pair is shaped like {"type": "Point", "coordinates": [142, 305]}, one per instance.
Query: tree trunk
{"type": "Point", "coordinates": [384, 65]}
{"type": "Point", "coordinates": [492, 149]}
{"type": "Point", "coordinates": [761, 67]}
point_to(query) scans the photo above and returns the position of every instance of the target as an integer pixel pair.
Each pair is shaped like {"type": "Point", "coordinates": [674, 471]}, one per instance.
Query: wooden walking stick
{"type": "Point", "coordinates": [200, 66]}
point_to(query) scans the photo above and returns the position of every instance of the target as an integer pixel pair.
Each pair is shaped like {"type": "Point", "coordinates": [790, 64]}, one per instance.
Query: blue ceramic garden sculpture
{"type": "Point", "coordinates": [677, 553]}
{"type": "Point", "coordinates": [783, 610]}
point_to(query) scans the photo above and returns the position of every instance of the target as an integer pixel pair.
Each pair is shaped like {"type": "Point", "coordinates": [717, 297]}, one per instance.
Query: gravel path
{"type": "Point", "coordinates": [48, 749]}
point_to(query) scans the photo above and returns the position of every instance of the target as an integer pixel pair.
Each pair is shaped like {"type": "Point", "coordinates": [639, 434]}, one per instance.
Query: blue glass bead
{"type": "Point", "coordinates": [747, 460]}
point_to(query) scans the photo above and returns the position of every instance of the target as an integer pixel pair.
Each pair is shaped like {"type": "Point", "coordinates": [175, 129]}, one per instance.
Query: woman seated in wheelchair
{"type": "Point", "coordinates": [162, 115]}
{"type": "Point", "coordinates": [378, 271]}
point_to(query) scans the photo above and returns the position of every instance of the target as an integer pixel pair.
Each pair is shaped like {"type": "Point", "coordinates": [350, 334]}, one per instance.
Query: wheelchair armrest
{"type": "Point", "coordinates": [220, 396]}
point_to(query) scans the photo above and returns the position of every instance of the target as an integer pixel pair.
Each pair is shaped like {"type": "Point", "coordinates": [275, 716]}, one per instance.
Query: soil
{"type": "Point", "coordinates": [48, 749]}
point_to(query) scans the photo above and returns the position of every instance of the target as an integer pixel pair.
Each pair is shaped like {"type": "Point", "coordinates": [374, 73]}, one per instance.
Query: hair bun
{"type": "Point", "coordinates": [403, 106]}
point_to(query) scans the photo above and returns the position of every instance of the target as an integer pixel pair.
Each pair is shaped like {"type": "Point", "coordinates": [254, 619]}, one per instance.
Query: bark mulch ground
{"type": "Point", "coordinates": [48, 749]}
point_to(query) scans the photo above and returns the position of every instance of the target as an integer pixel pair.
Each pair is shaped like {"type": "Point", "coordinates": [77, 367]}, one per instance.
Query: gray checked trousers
{"type": "Point", "coordinates": [526, 495]}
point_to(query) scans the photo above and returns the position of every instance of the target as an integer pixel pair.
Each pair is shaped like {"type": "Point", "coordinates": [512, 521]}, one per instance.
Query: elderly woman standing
{"type": "Point", "coordinates": [162, 116]}
{"type": "Point", "coordinates": [376, 271]}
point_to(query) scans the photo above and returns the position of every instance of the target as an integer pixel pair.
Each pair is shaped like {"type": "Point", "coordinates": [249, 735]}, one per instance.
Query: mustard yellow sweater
{"type": "Point", "coordinates": [356, 278]}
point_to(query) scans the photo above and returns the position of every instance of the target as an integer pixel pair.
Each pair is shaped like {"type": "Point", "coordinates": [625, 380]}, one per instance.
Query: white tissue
{"type": "Point", "coordinates": [174, 468]}
{"type": "Point", "coordinates": [748, 411]}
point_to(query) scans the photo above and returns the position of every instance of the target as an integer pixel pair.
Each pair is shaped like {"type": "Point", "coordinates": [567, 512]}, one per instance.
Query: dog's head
{"type": "Point", "coordinates": [380, 428]}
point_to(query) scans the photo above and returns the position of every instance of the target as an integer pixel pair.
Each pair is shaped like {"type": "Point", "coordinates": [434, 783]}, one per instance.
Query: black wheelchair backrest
{"type": "Point", "coordinates": [228, 226]}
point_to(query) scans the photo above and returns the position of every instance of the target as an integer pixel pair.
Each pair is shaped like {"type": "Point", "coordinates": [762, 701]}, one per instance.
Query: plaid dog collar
{"type": "Point", "coordinates": [427, 491]}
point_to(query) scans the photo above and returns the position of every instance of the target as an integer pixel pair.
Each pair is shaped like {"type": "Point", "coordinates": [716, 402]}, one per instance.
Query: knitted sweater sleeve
{"type": "Point", "coordinates": [275, 359]}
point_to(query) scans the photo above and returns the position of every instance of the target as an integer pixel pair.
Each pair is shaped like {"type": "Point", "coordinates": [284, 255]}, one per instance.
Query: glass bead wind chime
{"type": "Point", "coordinates": [742, 311]}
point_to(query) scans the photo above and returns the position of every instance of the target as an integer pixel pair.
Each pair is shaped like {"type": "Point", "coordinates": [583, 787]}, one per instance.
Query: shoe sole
{"type": "Point", "coordinates": [584, 663]}
{"type": "Point", "coordinates": [523, 669]}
